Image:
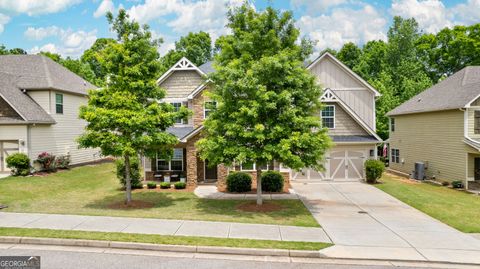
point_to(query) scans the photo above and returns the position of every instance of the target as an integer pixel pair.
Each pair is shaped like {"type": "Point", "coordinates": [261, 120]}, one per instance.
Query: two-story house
{"type": "Point", "coordinates": [349, 113]}
{"type": "Point", "coordinates": [440, 127]}
{"type": "Point", "coordinates": [39, 106]}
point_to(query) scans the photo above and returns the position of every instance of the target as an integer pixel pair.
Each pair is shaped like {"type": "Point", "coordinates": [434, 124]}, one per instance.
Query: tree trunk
{"type": "Point", "coordinates": [259, 186]}
{"type": "Point", "coordinates": [128, 181]}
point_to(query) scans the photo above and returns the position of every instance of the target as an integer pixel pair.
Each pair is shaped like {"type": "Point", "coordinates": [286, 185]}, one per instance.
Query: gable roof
{"type": "Point", "coordinates": [207, 67]}
{"type": "Point", "coordinates": [457, 91]}
{"type": "Point", "coordinates": [38, 72]}
{"type": "Point", "coordinates": [24, 105]}
{"type": "Point", "coordinates": [182, 64]}
{"type": "Point", "coordinates": [345, 68]}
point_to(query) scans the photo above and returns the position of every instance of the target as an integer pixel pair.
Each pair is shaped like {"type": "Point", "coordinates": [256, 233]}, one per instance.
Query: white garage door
{"type": "Point", "coordinates": [340, 165]}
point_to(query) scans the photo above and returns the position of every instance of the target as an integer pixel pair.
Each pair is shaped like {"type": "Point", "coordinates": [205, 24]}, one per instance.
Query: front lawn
{"type": "Point", "coordinates": [92, 190]}
{"type": "Point", "coordinates": [164, 239]}
{"type": "Point", "coordinates": [459, 209]}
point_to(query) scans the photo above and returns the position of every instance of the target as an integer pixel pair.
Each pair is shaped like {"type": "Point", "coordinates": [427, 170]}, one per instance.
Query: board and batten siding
{"type": "Point", "coordinates": [60, 138]}
{"type": "Point", "coordinates": [435, 138]}
{"type": "Point", "coordinates": [344, 123]}
{"type": "Point", "coordinates": [181, 83]}
{"type": "Point", "coordinates": [352, 92]}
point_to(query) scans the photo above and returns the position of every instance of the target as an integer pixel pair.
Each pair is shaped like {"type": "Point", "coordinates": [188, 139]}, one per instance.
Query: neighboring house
{"type": "Point", "coordinates": [441, 128]}
{"type": "Point", "coordinates": [39, 106]}
{"type": "Point", "coordinates": [349, 113]}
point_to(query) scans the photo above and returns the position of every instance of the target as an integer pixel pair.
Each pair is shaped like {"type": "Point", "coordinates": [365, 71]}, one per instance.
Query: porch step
{"type": "Point", "coordinates": [474, 185]}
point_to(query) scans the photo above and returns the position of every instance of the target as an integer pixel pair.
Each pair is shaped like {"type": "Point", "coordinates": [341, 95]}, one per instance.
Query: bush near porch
{"type": "Point", "coordinates": [458, 209]}
{"type": "Point", "coordinates": [90, 190]}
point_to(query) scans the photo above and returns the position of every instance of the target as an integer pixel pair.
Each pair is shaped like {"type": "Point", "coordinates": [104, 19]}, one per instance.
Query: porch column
{"type": "Point", "coordinates": [191, 164]}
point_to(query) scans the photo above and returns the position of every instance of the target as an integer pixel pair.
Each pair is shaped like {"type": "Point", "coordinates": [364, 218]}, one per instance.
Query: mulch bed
{"type": "Point", "coordinates": [135, 204]}
{"type": "Point", "coordinates": [251, 206]}
{"type": "Point", "coordinates": [188, 189]}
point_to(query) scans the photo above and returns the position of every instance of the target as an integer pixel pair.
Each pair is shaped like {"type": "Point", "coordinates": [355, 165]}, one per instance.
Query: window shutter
{"type": "Point", "coordinates": [476, 122]}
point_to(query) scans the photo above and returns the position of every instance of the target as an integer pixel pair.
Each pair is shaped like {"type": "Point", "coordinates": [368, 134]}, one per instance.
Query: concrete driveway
{"type": "Point", "coordinates": [365, 222]}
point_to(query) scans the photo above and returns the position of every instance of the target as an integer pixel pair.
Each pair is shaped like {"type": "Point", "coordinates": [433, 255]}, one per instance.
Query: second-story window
{"type": "Point", "coordinates": [177, 107]}
{"type": "Point", "coordinates": [476, 122]}
{"type": "Point", "coordinates": [208, 107]}
{"type": "Point", "coordinates": [59, 103]}
{"type": "Point", "coordinates": [392, 124]}
{"type": "Point", "coordinates": [328, 117]}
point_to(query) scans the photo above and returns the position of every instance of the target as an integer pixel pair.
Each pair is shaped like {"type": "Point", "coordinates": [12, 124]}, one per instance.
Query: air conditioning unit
{"type": "Point", "coordinates": [419, 172]}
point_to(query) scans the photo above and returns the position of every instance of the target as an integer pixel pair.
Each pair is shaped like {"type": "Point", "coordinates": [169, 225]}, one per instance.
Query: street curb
{"type": "Point", "coordinates": [161, 247]}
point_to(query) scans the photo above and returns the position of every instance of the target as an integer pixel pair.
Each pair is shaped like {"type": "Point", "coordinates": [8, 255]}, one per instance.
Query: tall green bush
{"type": "Point", "coordinates": [134, 172]}
{"type": "Point", "coordinates": [19, 163]}
{"type": "Point", "coordinates": [272, 181]}
{"type": "Point", "coordinates": [374, 170]}
{"type": "Point", "coordinates": [239, 182]}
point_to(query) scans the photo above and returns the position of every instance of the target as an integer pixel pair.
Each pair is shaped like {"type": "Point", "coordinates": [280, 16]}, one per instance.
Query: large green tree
{"type": "Point", "coordinates": [197, 47]}
{"type": "Point", "coordinates": [125, 118]}
{"type": "Point", "coordinates": [268, 103]}
{"type": "Point", "coordinates": [90, 57]}
{"type": "Point", "coordinates": [349, 54]}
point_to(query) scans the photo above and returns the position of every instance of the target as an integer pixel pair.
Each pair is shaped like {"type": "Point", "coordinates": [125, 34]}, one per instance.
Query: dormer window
{"type": "Point", "coordinates": [328, 117]}
{"type": "Point", "coordinates": [177, 106]}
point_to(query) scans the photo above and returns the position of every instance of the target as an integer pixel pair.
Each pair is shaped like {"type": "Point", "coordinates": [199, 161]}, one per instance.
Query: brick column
{"type": "Point", "coordinates": [191, 164]}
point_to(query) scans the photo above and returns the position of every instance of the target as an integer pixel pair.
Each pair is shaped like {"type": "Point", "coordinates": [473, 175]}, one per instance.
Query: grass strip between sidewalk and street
{"type": "Point", "coordinates": [163, 239]}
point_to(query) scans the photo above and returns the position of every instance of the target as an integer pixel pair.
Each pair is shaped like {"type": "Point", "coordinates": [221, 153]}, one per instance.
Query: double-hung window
{"type": "Point", "coordinates": [392, 124]}
{"type": "Point", "coordinates": [395, 155]}
{"type": "Point", "coordinates": [328, 117]}
{"type": "Point", "coordinates": [208, 107]}
{"type": "Point", "coordinates": [175, 164]}
{"type": "Point", "coordinates": [251, 166]}
{"type": "Point", "coordinates": [59, 103]}
{"type": "Point", "coordinates": [177, 106]}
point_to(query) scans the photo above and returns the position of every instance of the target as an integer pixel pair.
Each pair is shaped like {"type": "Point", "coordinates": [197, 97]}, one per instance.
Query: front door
{"type": "Point", "coordinates": [210, 172]}
{"type": "Point", "coordinates": [7, 148]}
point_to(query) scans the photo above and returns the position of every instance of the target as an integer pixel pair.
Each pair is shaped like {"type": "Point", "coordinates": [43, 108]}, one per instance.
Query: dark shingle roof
{"type": "Point", "coordinates": [454, 92]}
{"type": "Point", "coordinates": [207, 67]}
{"type": "Point", "coordinates": [180, 132]}
{"type": "Point", "coordinates": [40, 72]}
{"type": "Point", "coordinates": [353, 138]}
{"type": "Point", "coordinates": [25, 106]}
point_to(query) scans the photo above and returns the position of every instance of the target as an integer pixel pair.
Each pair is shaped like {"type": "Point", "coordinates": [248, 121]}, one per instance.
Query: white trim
{"type": "Point", "coordinates": [173, 100]}
{"type": "Point", "coordinates": [198, 90]}
{"type": "Point", "coordinates": [191, 134]}
{"type": "Point", "coordinates": [182, 65]}
{"type": "Point", "coordinates": [353, 74]}
{"type": "Point", "coordinates": [328, 96]}
{"type": "Point", "coordinates": [469, 104]}
{"type": "Point", "coordinates": [170, 162]}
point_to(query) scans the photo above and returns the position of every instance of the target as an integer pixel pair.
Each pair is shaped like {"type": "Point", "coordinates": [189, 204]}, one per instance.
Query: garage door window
{"type": "Point", "coordinates": [328, 117]}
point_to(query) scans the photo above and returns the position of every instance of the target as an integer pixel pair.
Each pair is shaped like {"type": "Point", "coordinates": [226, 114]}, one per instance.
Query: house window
{"type": "Point", "coordinates": [476, 122]}
{"type": "Point", "coordinates": [208, 107]}
{"type": "Point", "coordinates": [177, 107]}
{"type": "Point", "coordinates": [392, 124]}
{"type": "Point", "coordinates": [395, 156]}
{"type": "Point", "coordinates": [328, 117]}
{"type": "Point", "coordinates": [251, 166]}
{"type": "Point", "coordinates": [59, 103]}
{"type": "Point", "coordinates": [175, 164]}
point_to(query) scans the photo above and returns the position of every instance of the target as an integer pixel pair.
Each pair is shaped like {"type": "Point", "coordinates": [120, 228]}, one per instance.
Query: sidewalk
{"type": "Point", "coordinates": [163, 227]}
{"type": "Point", "coordinates": [211, 192]}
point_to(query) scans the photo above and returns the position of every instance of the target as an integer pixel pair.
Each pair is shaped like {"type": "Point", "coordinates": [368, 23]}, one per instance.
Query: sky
{"type": "Point", "coordinates": [68, 27]}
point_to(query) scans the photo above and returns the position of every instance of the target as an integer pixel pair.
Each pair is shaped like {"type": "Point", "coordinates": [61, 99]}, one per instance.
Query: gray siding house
{"type": "Point", "coordinates": [39, 105]}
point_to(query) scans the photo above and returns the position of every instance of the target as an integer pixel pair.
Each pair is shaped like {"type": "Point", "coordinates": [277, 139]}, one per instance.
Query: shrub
{"type": "Point", "coordinates": [62, 161]}
{"type": "Point", "coordinates": [374, 170]}
{"type": "Point", "coordinates": [445, 183]}
{"type": "Point", "coordinates": [180, 185]}
{"type": "Point", "coordinates": [46, 161]}
{"type": "Point", "coordinates": [151, 185]}
{"type": "Point", "coordinates": [239, 182]}
{"type": "Point", "coordinates": [134, 172]}
{"type": "Point", "coordinates": [165, 185]}
{"type": "Point", "coordinates": [272, 181]}
{"type": "Point", "coordinates": [19, 163]}
{"type": "Point", "coordinates": [457, 184]}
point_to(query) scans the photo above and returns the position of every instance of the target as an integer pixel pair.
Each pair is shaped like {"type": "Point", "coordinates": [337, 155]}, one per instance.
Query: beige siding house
{"type": "Point", "coordinates": [39, 105]}
{"type": "Point", "coordinates": [440, 127]}
{"type": "Point", "coordinates": [349, 114]}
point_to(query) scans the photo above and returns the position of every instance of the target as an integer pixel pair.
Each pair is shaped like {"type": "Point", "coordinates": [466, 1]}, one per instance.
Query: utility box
{"type": "Point", "coordinates": [419, 173]}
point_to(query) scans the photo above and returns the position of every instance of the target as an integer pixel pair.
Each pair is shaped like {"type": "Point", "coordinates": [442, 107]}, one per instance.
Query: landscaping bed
{"type": "Point", "coordinates": [458, 209]}
{"type": "Point", "coordinates": [95, 190]}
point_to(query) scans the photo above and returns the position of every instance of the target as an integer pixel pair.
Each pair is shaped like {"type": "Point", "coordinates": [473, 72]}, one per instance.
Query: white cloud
{"type": "Point", "coordinates": [36, 7]}
{"type": "Point", "coordinates": [431, 15]}
{"type": "Point", "coordinates": [103, 8]}
{"type": "Point", "coordinates": [4, 19]}
{"type": "Point", "coordinates": [344, 25]}
{"type": "Point", "coordinates": [316, 5]}
{"type": "Point", "coordinates": [467, 13]}
{"type": "Point", "coordinates": [72, 43]}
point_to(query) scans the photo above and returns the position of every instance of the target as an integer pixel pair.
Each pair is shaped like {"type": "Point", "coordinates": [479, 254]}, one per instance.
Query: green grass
{"type": "Point", "coordinates": [163, 239]}
{"type": "Point", "coordinates": [459, 209]}
{"type": "Point", "coordinates": [89, 190]}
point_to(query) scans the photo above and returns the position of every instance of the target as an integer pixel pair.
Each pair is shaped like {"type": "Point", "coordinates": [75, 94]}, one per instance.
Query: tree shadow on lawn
{"type": "Point", "coordinates": [153, 199]}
